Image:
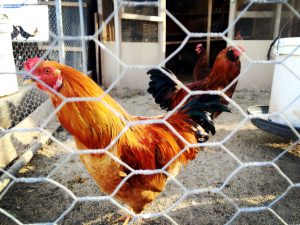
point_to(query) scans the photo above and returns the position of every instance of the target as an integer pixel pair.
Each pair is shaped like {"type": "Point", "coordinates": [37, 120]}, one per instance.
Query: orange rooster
{"type": "Point", "coordinates": [141, 146]}
{"type": "Point", "coordinates": [201, 69]}
{"type": "Point", "coordinates": [226, 68]}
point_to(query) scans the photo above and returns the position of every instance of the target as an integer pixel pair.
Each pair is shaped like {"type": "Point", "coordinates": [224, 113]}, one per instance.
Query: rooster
{"type": "Point", "coordinates": [142, 146]}
{"type": "Point", "coordinates": [15, 33]}
{"type": "Point", "coordinates": [225, 69]}
{"type": "Point", "coordinates": [201, 69]}
{"type": "Point", "coordinates": [24, 33]}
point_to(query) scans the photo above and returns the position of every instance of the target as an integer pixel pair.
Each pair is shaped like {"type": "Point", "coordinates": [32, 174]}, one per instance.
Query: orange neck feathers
{"type": "Point", "coordinates": [91, 121]}
{"type": "Point", "coordinates": [223, 72]}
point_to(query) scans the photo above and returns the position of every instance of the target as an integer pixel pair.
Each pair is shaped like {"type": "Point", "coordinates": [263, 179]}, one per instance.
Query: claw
{"type": "Point", "coordinates": [126, 220]}
{"type": "Point", "coordinates": [124, 217]}
{"type": "Point", "coordinates": [202, 136]}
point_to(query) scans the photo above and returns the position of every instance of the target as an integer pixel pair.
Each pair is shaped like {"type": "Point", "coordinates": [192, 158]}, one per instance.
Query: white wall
{"type": "Point", "coordinates": [259, 76]}
{"type": "Point", "coordinates": [131, 53]}
{"type": "Point", "coordinates": [109, 65]}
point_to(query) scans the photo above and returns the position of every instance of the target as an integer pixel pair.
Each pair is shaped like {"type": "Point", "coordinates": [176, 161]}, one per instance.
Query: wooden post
{"type": "Point", "coordinates": [277, 20]}
{"type": "Point", "coordinates": [232, 11]}
{"type": "Point", "coordinates": [118, 42]}
{"type": "Point", "coordinates": [162, 29]}
{"type": "Point", "coordinates": [209, 10]}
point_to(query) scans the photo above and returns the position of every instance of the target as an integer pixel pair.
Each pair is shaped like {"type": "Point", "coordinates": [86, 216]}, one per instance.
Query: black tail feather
{"type": "Point", "coordinates": [161, 87]}
{"type": "Point", "coordinates": [200, 108]}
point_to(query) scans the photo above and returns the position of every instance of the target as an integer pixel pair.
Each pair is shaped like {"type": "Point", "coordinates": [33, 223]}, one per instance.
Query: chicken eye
{"type": "Point", "coordinates": [47, 71]}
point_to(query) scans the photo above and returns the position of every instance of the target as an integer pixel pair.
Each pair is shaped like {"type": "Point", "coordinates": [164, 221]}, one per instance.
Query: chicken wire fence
{"type": "Point", "coordinates": [55, 50]}
{"type": "Point", "coordinates": [25, 47]}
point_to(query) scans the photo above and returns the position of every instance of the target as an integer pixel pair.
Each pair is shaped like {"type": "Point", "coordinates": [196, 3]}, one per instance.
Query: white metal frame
{"type": "Point", "coordinates": [123, 49]}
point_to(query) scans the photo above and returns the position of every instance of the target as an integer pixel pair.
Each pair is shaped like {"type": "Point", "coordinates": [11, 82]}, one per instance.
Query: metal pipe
{"type": "Point", "coordinates": [83, 45]}
{"type": "Point", "coordinates": [59, 29]}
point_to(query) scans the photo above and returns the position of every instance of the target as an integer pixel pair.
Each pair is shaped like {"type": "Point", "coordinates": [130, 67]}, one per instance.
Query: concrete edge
{"type": "Point", "coordinates": [14, 144]}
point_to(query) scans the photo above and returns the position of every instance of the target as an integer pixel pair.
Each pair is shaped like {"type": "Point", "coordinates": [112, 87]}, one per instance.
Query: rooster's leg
{"type": "Point", "coordinates": [124, 217]}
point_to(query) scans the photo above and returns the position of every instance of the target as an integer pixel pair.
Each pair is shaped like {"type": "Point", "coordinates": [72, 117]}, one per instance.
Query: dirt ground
{"type": "Point", "coordinates": [253, 186]}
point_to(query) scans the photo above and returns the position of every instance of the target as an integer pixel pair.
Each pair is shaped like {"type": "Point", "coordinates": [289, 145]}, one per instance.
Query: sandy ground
{"type": "Point", "coordinates": [253, 186]}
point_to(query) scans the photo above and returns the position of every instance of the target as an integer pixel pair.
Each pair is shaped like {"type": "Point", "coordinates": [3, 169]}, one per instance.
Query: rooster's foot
{"type": "Point", "coordinates": [124, 217]}
{"type": "Point", "coordinates": [202, 136]}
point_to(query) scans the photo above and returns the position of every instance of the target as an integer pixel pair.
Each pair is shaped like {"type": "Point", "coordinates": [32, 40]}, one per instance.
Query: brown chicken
{"type": "Point", "coordinates": [225, 69]}
{"type": "Point", "coordinates": [201, 69]}
{"type": "Point", "coordinates": [141, 146]}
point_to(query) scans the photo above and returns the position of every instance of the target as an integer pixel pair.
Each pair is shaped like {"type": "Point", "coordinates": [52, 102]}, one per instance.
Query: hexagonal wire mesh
{"type": "Point", "coordinates": [238, 208]}
{"type": "Point", "coordinates": [25, 49]}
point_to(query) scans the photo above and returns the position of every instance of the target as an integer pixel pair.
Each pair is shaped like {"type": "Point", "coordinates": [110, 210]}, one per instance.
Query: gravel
{"type": "Point", "coordinates": [250, 186]}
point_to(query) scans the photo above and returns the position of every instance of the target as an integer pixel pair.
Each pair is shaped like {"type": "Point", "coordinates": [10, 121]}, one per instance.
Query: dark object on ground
{"type": "Point", "coordinates": [268, 125]}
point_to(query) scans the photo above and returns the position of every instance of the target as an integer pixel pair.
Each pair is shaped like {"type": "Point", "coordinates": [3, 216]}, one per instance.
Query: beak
{"type": "Point", "coordinates": [27, 80]}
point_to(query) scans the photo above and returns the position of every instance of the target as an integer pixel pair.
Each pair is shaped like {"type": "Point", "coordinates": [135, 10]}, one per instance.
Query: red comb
{"type": "Point", "coordinates": [30, 63]}
{"type": "Point", "coordinates": [198, 48]}
{"type": "Point", "coordinates": [199, 45]}
{"type": "Point", "coordinates": [237, 52]}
